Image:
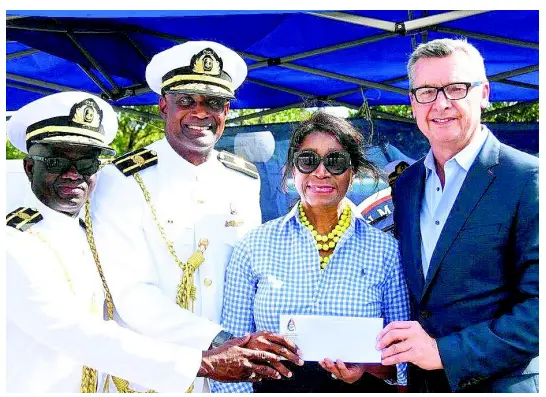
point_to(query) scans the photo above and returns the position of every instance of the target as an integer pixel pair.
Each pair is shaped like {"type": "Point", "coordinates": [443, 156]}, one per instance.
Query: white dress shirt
{"type": "Point", "coordinates": [55, 320]}
{"type": "Point", "coordinates": [437, 202]}
{"type": "Point", "coordinates": [192, 203]}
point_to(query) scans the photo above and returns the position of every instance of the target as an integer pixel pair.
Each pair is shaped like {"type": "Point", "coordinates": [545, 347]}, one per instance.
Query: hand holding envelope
{"type": "Point", "coordinates": [349, 339]}
{"type": "Point", "coordinates": [349, 373]}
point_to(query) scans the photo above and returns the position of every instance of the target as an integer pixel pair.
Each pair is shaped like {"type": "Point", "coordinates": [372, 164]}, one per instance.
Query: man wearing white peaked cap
{"type": "Point", "coordinates": [56, 335]}
{"type": "Point", "coordinates": [176, 209]}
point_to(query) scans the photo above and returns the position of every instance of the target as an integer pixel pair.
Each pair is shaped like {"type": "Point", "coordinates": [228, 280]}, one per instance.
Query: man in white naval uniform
{"type": "Point", "coordinates": [155, 207]}
{"type": "Point", "coordinates": [55, 294]}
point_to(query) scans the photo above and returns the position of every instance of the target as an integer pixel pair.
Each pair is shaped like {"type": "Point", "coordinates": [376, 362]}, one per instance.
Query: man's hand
{"type": "Point", "coordinates": [278, 345]}
{"type": "Point", "coordinates": [349, 373]}
{"type": "Point", "coordinates": [231, 362]}
{"type": "Point", "coordinates": [407, 341]}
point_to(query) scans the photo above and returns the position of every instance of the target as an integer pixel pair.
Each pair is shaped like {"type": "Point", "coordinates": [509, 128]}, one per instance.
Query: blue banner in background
{"type": "Point", "coordinates": [390, 141]}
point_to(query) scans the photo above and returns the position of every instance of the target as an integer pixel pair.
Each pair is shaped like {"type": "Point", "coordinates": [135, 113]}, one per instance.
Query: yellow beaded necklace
{"type": "Point", "coordinates": [326, 242]}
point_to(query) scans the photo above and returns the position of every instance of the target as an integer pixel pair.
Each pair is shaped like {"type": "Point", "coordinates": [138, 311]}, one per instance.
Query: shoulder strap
{"type": "Point", "coordinates": [238, 164]}
{"type": "Point", "coordinates": [135, 161]}
{"type": "Point", "coordinates": [23, 218]}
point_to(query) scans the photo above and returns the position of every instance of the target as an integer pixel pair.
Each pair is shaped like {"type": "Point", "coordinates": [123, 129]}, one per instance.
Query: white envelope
{"type": "Point", "coordinates": [350, 339]}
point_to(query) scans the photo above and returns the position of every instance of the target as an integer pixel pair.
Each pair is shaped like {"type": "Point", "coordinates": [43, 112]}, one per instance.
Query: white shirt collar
{"type": "Point", "coordinates": [465, 157]}
{"type": "Point", "coordinates": [171, 160]}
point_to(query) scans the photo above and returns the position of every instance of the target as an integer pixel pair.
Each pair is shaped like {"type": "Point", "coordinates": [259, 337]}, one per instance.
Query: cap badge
{"type": "Point", "coordinates": [87, 113]}
{"type": "Point", "coordinates": [206, 62]}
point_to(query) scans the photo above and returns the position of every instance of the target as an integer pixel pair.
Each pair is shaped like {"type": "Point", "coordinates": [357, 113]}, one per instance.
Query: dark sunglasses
{"type": "Point", "coordinates": [60, 165]}
{"type": "Point", "coordinates": [337, 162]}
{"type": "Point", "coordinates": [214, 104]}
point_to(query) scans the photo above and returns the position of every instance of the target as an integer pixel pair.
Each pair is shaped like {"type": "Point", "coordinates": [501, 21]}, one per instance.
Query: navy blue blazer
{"type": "Point", "coordinates": [480, 297]}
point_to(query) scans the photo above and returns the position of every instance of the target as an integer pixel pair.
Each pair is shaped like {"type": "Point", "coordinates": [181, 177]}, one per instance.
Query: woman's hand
{"type": "Point", "coordinates": [349, 373]}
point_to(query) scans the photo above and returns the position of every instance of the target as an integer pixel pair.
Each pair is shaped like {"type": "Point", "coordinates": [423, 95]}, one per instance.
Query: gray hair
{"type": "Point", "coordinates": [441, 48]}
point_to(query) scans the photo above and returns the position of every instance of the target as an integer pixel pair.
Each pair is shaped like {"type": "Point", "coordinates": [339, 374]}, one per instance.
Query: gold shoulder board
{"type": "Point", "coordinates": [238, 164]}
{"type": "Point", "coordinates": [135, 161]}
{"type": "Point", "coordinates": [400, 167]}
{"type": "Point", "coordinates": [23, 218]}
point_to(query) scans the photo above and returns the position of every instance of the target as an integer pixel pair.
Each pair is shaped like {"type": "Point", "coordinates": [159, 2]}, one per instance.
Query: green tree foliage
{"type": "Point", "coordinates": [136, 131]}
{"type": "Point", "coordinates": [398, 110]}
{"type": "Point", "coordinates": [525, 114]}
{"type": "Point", "coordinates": [284, 116]}
{"type": "Point", "coordinates": [12, 153]}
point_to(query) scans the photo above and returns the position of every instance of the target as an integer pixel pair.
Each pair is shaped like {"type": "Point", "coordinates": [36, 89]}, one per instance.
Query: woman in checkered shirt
{"type": "Point", "coordinates": [322, 258]}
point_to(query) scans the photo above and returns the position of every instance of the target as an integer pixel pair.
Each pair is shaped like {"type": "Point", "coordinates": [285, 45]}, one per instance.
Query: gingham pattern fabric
{"type": "Point", "coordinates": [275, 270]}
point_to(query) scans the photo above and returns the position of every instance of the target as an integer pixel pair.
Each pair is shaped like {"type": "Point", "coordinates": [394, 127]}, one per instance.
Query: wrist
{"type": "Point", "coordinates": [221, 338]}
{"type": "Point", "coordinates": [439, 364]}
{"type": "Point", "coordinates": [205, 369]}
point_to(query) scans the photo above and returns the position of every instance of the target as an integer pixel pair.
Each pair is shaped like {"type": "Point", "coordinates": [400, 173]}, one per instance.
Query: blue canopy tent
{"type": "Point", "coordinates": [295, 59]}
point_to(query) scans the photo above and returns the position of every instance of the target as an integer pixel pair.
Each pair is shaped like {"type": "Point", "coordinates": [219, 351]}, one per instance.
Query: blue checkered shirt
{"type": "Point", "coordinates": [275, 270]}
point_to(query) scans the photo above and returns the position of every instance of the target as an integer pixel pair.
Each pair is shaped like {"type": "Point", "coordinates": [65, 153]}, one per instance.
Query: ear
{"type": "Point", "coordinates": [28, 165]}
{"type": "Point", "coordinates": [486, 90]}
{"type": "Point", "coordinates": [163, 107]}
{"type": "Point", "coordinates": [352, 179]}
{"type": "Point", "coordinates": [226, 107]}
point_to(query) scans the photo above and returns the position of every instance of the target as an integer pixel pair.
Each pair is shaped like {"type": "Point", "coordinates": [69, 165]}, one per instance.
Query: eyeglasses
{"type": "Point", "coordinates": [60, 165]}
{"type": "Point", "coordinates": [336, 162]}
{"type": "Point", "coordinates": [453, 91]}
{"type": "Point", "coordinates": [214, 104]}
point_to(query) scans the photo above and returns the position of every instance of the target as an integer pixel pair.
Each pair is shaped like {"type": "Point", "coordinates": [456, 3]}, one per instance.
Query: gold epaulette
{"type": "Point", "coordinates": [238, 164]}
{"type": "Point", "coordinates": [23, 218]}
{"type": "Point", "coordinates": [135, 161]}
{"type": "Point", "coordinates": [400, 167]}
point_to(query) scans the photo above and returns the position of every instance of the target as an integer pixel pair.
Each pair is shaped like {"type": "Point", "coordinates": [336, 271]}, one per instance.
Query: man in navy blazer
{"type": "Point", "coordinates": [467, 221]}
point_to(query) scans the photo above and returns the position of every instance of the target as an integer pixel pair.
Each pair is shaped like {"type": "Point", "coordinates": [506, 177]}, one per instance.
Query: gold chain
{"type": "Point", "coordinates": [121, 384]}
{"type": "Point", "coordinates": [186, 292]}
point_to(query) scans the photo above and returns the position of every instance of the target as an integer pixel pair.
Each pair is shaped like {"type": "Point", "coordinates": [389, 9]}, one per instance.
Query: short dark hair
{"type": "Point", "coordinates": [442, 48]}
{"type": "Point", "coordinates": [346, 134]}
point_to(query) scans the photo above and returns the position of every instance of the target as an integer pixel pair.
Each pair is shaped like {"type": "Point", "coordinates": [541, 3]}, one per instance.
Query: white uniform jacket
{"type": "Point", "coordinates": [209, 201]}
{"type": "Point", "coordinates": [55, 319]}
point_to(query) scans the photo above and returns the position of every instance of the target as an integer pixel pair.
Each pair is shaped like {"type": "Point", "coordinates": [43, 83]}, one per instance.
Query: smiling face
{"type": "Point", "coordinates": [449, 124]}
{"type": "Point", "coordinates": [193, 124]}
{"type": "Point", "coordinates": [66, 192]}
{"type": "Point", "coordinates": [320, 189]}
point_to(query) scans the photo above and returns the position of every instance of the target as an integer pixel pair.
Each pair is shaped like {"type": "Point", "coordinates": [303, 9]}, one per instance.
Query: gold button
{"type": "Point", "coordinates": [207, 282]}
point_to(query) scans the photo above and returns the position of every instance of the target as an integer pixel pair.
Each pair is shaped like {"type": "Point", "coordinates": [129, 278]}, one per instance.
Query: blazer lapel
{"type": "Point", "coordinates": [474, 186]}
{"type": "Point", "coordinates": [412, 227]}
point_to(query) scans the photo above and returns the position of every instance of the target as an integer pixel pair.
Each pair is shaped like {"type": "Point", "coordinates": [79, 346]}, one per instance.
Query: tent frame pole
{"type": "Point", "coordinates": [397, 27]}
{"type": "Point", "coordinates": [320, 51]}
